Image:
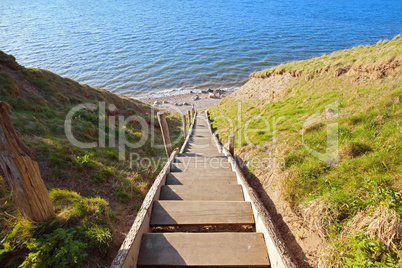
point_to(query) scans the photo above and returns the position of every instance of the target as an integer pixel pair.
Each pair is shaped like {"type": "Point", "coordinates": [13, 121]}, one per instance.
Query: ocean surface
{"type": "Point", "coordinates": [149, 47]}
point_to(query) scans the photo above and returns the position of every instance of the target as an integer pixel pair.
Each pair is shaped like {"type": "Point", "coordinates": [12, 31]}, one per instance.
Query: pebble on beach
{"type": "Point", "coordinates": [182, 102]}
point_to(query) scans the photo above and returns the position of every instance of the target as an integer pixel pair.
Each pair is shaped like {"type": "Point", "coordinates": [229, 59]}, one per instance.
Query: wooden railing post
{"type": "Point", "coordinates": [193, 108]}
{"type": "Point", "coordinates": [165, 133]}
{"type": "Point", "coordinates": [184, 125]}
{"type": "Point", "coordinates": [22, 173]}
{"type": "Point", "coordinates": [189, 117]}
{"type": "Point", "coordinates": [231, 144]}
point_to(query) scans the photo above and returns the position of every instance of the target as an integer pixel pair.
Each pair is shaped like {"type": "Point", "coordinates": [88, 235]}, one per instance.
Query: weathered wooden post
{"type": "Point", "coordinates": [22, 173]}
{"type": "Point", "coordinates": [165, 133]}
{"type": "Point", "coordinates": [231, 144]}
{"type": "Point", "coordinates": [189, 117]}
{"type": "Point", "coordinates": [184, 125]}
{"type": "Point", "coordinates": [193, 108]}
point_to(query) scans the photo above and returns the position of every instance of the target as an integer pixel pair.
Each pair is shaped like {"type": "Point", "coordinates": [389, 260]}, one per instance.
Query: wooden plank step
{"type": "Point", "coordinates": [202, 148]}
{"type": "Point", "coordinates": [202, 175]}
{"type": "Point", "coordinates": [203, 250]}
{"type": "Point", "coordinates": [200, 160]}
{"type": "Point", "coordinates": [202, 192]}
{"type": "Point", "coordinates": [200, 154]}
{"type": "Point", "coordinates": [201, 135]}
{"type": "Point", "coordinates": [173, 213]}
{"type": "Point", "coordinates": [209, 170]}
{"type": "Point", "coordinates": [183, 158]}
{"type": "Point", "coordinates": [177, 180]}
{"type": "Point", "coordinates": [207, 167]}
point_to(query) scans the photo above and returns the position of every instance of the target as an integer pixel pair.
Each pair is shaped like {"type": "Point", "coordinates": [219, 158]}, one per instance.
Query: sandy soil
{"type": "Point", "coordinates": [183, 102]}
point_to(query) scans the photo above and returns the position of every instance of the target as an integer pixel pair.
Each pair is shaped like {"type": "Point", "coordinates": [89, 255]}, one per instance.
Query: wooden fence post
{"type": "Point", "coordinates": [165, 133]}
{"type": "Point", "coordinates": [22, 173]}
{"type": "Point", "coordinates": [189, 117]}
{"type": "Point", "coordinates": [184, 125]}
{"type": "Point", "coordinates": [231, 144]}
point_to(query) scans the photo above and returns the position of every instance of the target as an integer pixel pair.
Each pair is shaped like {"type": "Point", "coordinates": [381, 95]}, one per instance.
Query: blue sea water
{"type": "Point", "coordinates": [146, 47]}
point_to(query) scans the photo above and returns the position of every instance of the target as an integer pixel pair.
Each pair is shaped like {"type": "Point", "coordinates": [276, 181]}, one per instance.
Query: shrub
{"type": "Point", "coordinates": [366, 252]}
{"type": "Point", "coordinates": [57, 249]}
{"type": "Point", "coordinates": [122, 196]}
{"type": "Point", "coordinates": [96, 236]}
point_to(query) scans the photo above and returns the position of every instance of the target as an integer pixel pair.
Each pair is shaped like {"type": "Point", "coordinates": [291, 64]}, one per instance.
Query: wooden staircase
{"type": "Point", "coordinates": [201, 218]}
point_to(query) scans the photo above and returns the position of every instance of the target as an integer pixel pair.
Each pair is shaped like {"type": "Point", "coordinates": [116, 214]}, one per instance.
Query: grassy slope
{"type": "Point", "coordinates": [90, 188]}
{"type": "Point", "coordinates": [359, 199]}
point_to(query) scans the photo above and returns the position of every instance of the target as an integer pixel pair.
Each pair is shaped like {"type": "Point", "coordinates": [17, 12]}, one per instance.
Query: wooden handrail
{"type": "Point", "coordinates": [278, 253]}
{"type": "Point", "coordinates": [128, 252]}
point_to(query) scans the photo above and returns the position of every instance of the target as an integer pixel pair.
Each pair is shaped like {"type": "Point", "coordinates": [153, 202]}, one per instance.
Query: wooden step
{"type": "Point", "coordinates": [173, 213]}
{"type": "Point", "coordinates": [210, 154]}
{"type": "Point", "coordinates": [172, 177]}
{"type": "Point", "coordinates": [202, 192]}
{"type": "Point", "coordinates": [202, 148]}
{"type": "Point", "coordinates": [179, 180]}
{"type": "Point", "coordinates": [208, 166]}
{"type": "Point", "coordinates": [205, 167]}
{"type": "Point", "coordinates": [187, 158]}
{"type": "Point", "coordinates": [203, 250]}
{"type": "Point", "coordinates": [195, 161]}
{"type": "Point", "coordinates": [211, 150]}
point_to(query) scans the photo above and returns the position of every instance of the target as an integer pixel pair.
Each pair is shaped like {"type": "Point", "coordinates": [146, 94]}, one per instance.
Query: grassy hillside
{"type": "Point", "coordinates": [95, 195]}
{"type": "Point", "coordinates": [351, 194]}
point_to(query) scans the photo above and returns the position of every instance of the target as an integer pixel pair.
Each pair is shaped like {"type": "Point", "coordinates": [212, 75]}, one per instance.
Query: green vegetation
{"type": "Point", "coordinates": [91, 188]}
{"type": "Point", "coordinates": [358, 93]}
{"type": "Point", "coordinates": [375, 60]}
{"type": "Point", "coordinates": [82, 225]}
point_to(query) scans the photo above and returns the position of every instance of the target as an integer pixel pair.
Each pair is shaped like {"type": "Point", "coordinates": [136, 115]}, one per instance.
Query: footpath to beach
{"type": "Point", "coordinates": [201, 212]}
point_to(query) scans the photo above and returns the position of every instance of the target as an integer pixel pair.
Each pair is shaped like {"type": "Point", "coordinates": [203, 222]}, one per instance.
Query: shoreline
{"type": "Point", "coordinates": [183, 102]}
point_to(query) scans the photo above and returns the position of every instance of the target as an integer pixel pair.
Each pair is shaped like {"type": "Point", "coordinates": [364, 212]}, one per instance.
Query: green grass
{"type": "Point", "coordinates": [359, 250]}
{"type": "Point", "coordinates": [7, 84]}
{"type": "Point", "coordinates": [81, 225]}
{"type": "Point", "coordinates": [367, 173]}
{"type": "Point", "coordinates": [364, 58]}
{"type": "Point", "coordinates": [85, 180]}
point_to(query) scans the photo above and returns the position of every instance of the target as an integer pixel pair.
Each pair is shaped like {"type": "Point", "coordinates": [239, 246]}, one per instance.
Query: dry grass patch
{"type": "Point", "coordinates": [380, 222]}
{"type": "Point", "coordinates": [317, 216]}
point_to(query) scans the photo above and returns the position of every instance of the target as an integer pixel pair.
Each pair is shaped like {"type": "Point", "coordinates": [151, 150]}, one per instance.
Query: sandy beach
{"type": "Point", "coordinates": [183, 102]}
